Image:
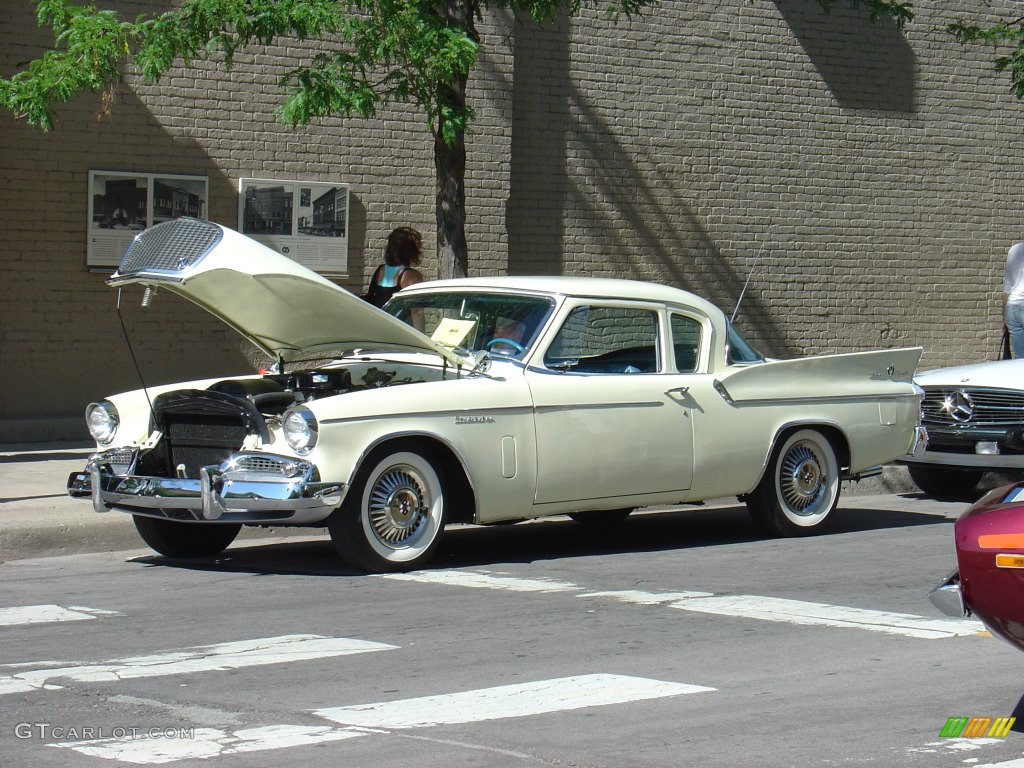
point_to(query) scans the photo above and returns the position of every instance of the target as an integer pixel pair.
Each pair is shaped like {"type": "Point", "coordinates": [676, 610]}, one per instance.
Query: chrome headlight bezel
{"type": "Point", "coordinates": [300, 429]}
{"type": "Point", "coordinates": [102, 421]}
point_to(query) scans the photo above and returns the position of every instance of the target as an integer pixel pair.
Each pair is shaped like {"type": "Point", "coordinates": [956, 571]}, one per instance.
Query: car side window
{"type": "Point", "coordinates": [598, 339]}
{"type": "Point", "coordinates": [685, 343]}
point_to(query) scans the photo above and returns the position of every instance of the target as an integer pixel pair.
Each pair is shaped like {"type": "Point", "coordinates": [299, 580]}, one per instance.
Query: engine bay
{"type": "Point", "coordinates": [273, 393]}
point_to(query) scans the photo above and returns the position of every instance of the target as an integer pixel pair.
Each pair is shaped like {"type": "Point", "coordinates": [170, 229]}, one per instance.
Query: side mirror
{"type": "Point", "coordinates": [481, 362]}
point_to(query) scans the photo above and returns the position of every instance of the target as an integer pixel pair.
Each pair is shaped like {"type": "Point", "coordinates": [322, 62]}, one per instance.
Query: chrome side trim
{"type": "Point", "coordinates": [599, 406]}
{"type": "Point", "coordinates": [720, 388]}
{"type": "Point", "coordinates": [511, 410]}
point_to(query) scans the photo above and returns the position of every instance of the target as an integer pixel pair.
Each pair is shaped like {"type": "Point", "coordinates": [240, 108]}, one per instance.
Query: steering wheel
{"type": "Point", "coordinates": [501, 340]}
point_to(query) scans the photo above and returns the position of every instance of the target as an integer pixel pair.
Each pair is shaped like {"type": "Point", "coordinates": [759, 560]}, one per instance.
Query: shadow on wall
{"type": "Point", "coordinates": [658, 229]}
{"type": "Point", "coordinates": [654, 226]}
{"type": "Point", "coordinates": [865, 64]}
{"type": "Point", "coordinates": [540, 121]}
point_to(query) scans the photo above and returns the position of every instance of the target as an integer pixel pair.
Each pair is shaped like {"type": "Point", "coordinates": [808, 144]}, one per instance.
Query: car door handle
{"type": "Point", "coordinates": [677, 391]}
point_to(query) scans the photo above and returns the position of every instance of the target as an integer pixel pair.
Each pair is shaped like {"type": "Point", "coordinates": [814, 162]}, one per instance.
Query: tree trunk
{"type": "Point", "coordinates": [450, 161]}
{"type": "Point", "coordinates": [450, 164]}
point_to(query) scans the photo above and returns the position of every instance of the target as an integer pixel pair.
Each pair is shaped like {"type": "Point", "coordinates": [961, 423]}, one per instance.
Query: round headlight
{"type": "Point", "coordinates": [102, 420]}
{"type": "Point", "coordinates": [300, 430]}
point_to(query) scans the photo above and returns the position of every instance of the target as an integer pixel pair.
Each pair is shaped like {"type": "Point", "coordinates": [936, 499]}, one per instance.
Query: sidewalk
{"type": "Point", "coordinates": [39, 519]}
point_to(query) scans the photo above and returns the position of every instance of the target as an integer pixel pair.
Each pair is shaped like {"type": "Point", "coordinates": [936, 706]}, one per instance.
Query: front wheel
{"type": "Point", "coordinates": [393, 516]}
{"type": "Point", "coordinates": [800, 487]}
{"type": "Point", "coordinates": [173, 539]}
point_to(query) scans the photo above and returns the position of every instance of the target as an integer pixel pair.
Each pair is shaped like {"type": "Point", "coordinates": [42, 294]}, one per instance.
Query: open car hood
{"type": "Point", "coordinates": [285, 309]}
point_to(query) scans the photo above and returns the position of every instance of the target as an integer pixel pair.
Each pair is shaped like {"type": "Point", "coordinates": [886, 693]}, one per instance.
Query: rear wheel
{"type": "Point", "coordinates": [393, 516]}
{"type": "Point", "coordinates": [944, 482]}
{"type": "Point", "coordinates": [174, 539]}
{"type": "Point", "coordinates": [800, 488]}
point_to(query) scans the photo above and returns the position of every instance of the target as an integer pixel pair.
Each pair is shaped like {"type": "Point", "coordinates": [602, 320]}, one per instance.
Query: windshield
{"type": "Point", "coordinates": [499, 323]}
{"type": "Point", "coordinates": [740, 350]}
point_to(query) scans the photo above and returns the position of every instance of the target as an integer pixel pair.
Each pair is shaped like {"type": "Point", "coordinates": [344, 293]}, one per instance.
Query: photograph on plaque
{"type": "Point", "coordinates": [122, 204]}
{"type": "Point", "coordinates": [306, 221]}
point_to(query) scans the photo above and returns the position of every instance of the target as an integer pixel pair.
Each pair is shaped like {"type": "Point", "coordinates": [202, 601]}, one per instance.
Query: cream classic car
{"type": "Point", "coordinates": [481, 400]}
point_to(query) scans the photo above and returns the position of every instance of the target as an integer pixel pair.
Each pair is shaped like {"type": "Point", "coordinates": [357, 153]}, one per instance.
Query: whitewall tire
{"type": "Point", "coordinates": [393, 516]}
{"type": "Point", "coordinates": [800, 487]}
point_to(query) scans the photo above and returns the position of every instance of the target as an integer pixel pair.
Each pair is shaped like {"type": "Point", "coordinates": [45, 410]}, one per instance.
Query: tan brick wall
{"type": "Point", "coordinates": [876, 173]}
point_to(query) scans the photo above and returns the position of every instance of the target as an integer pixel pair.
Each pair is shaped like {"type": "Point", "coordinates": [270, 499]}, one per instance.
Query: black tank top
{"type": "Point", "coordinates": [378, 294]}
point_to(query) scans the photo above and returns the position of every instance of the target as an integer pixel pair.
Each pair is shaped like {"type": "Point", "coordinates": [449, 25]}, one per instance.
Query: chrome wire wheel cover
{"type": "Point", "coordinates": [399, 506]}
{"type": "Point", "coordinates": [803, 479]}
{"type": "Point", "coordinates": [807, 479]}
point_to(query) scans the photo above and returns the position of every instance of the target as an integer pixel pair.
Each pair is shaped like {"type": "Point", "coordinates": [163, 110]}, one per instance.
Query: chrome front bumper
{"type": "Point", "coordinates": [949, 598]}
{"type": "Point", "coordinates": [249, 487]}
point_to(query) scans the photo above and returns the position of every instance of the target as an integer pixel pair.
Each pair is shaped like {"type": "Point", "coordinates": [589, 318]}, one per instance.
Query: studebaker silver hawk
{"type": "Point", "coordinates": [481, 400]}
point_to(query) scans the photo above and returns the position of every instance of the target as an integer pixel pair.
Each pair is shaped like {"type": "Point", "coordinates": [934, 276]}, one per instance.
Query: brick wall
{"type": "Point", "coordinates": [874, 174]}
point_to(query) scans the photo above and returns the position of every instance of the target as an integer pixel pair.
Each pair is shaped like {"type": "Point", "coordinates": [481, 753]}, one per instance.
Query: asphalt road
{"type": "Point", "coordinates": [681, 638]}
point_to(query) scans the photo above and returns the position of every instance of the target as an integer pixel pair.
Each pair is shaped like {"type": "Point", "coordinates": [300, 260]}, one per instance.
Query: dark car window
{"type": "Point", "coordinates": [685, 343]}
{"type": "Point", "coordinates": [597, 339]}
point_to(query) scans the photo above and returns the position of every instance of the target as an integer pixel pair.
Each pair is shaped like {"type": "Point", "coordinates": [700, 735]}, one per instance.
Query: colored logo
{"type": "Point", "coordinates": [977, 727]}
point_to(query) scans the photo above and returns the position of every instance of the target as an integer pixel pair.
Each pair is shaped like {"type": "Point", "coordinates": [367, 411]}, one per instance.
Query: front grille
{"type": "Point", "coordinates": [171, 246]}
{"type": "Point", "coordinates": [972, 407]}
{"type": "Point", "coordinates": [121, 460]}
{"type": "Point", "coordinates": [201, 440]}
{"type": "Point", "coordinates": [269, 465]}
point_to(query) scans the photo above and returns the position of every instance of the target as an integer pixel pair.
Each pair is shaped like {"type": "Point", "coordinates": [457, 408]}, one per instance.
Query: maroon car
{"type": "Point", "coordinates": [989, 581]}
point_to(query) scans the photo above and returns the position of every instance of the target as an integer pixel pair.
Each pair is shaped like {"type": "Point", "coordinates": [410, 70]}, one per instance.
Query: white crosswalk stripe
{"type": "Point", "coordinates": [205, 658]}
{"type": "Point", "coordinates": [208, 742]}
{"type": "Point", "coordinates": [38, 614]}
{"type": "Point", "coordinates": [738, 606]}
{"type": "Point", "coordinates": [500, 582]}
{"type": "Point", "coordinates": [821, 614]}
{"type": "Point", "coordinates": [501, 702]}
{"type": "Point", "coordinates": [507, 701]}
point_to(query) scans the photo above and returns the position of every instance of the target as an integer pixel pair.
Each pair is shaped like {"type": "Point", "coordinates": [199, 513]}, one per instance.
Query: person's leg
{"type": "Point", "coordinates": [1014, 317]}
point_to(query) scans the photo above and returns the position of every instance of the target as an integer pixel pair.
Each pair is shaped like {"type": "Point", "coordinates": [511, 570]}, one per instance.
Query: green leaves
{"type": "Point", "coordinates": [374, 51]}
{"type": "Point", "coordinates": [389, 50]}
{"type": "Point", "coordinates": [1007, 33]}
{"type": "Point", "coordinates": [89, 45]}
{"type": "Point", "coordinates": [92, 45]}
